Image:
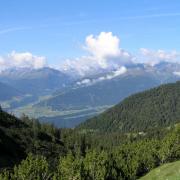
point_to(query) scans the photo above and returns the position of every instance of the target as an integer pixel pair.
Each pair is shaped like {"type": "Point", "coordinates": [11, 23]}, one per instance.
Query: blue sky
{"type": "Point", "coordinates": [57, 29]}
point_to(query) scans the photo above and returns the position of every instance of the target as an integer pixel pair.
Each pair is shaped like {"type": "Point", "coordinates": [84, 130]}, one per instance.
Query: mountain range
{"type": "Point", "coordinates": [35, 81]}
{"type": "Point", "coordinates": [66, 100]}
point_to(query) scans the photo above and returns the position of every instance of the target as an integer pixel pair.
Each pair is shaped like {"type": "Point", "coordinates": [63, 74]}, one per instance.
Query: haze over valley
{"type": "Point", "coordinates": [78, 89]}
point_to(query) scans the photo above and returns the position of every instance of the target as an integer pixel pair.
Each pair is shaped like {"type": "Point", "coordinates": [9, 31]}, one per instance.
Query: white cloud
{"type": "Point", "coordinates": [84, 82]}
{"type": "Point", "coordinates": [177, 73]}
{"type": "Point", "coordinates": [103, 45]}
{"type": "Point", "coordinates": [105, 54]}
{"type": "Point", "coordinates": [114, 74]}
{"type": "Point", "coordinates": [109, 76]}
{"type": "Point", "coordinates": [153, 57]}
{"type": "Point", "coordinates": [22, 60]}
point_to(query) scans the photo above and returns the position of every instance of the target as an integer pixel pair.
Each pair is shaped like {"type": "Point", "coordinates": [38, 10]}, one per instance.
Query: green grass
{"type": "Point", "coordinates": [169, 171]}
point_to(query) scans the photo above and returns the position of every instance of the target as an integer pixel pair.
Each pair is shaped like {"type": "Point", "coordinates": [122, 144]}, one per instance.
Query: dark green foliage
{"type": "Point", "coordinates": [158, 107]}
{"type": "Point", "coordinates": [34, 167]}
{"type": "Point", "coordinates": [128, 161]}
{"type": "Point", "coordinates": [20, 137]}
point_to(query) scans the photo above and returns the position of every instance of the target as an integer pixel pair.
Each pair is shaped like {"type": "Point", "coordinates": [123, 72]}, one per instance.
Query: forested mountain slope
{"type": "Point", "coordinates": [20, 137]}
{"type": "Point", "coordinates": [51, 153]}
{"type": "Point", "coordinates": [157, 107]}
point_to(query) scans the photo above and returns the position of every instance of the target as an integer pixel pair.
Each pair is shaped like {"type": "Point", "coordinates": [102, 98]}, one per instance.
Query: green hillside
{"type": "Point", "coordinates": [20, 137]}
{"type": "Point", "coordinates": [158, 107]}
{"type": "Point", "coordinates": [169, 171]}
{"type": "Point", "coordinates": [31, 150]}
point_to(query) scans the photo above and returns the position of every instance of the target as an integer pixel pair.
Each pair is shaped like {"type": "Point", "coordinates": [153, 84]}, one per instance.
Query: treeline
{"type": "Point", "coordinates": [18, 137]}
{"type": "Point", "coordinates": [157, 107]}
{"type": "Point", "coordinates": [83, 161]}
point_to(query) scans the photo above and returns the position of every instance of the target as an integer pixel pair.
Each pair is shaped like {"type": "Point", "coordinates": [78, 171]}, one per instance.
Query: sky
{"type": "Point", "coordinates": [56, 30]}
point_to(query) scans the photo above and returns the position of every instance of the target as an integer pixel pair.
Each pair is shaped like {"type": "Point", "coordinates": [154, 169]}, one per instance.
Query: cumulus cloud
{"type": "Point", "coordinates": [105, 54]}
{"type": "Point", "coordinates": [103, 45]}
{"type": "Point", "coordinates": [22, 60]}
{"type": "Point", "coordinates": [153, 57]}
